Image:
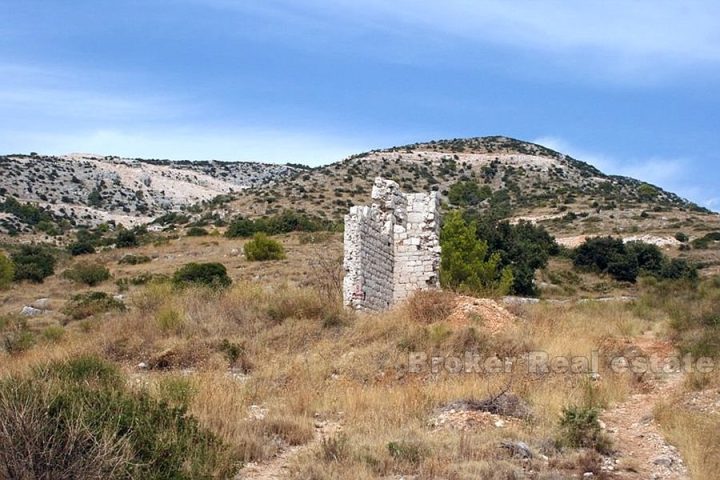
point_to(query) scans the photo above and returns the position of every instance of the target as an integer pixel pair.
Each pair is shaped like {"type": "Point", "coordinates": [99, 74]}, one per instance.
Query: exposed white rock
{"type": "Point", "coordinates": [30, 311]}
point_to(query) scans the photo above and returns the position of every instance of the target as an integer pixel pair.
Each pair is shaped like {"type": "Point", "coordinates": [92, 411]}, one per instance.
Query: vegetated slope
{"type": "Point", "coordinates": [90, 189]}
{"type": "Point", "coordinates": [514, 179]}
{"type": "Point", "coordinates": [526, 181]}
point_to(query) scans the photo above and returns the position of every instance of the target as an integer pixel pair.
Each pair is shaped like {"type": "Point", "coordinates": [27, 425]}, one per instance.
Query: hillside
{"type": "Point", "coordinates": [242, 379]}
{"type": "Point", "coordinates": [510, 178]}
{"type": "Point", "coordinates": [90, 189]}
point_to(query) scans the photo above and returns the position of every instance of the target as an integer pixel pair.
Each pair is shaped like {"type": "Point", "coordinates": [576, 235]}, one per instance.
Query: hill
{"type": "Point", "coordinates": [90, 189]}
{"type": "Point", "coordinates": [509, 178]}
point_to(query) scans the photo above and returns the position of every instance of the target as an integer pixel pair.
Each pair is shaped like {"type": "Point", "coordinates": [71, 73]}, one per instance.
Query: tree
{"type": "Point", "coordinates": [524, 247]}
{"type": "Point", "coordinates": [465, 264]}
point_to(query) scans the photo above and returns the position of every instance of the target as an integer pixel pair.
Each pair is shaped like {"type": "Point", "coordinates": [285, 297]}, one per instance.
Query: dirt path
{"type": "Point", "coordinates": [279, 466]}
{"type": "Point", "coordinates": [641, 451]}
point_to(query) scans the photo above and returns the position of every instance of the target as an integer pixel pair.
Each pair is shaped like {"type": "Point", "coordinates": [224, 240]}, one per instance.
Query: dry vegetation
{"type": "Point", "coordinates": [273, 364]}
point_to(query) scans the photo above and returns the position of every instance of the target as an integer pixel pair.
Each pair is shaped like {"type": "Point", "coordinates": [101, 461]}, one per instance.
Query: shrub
{"type": "Point", "coordinates": [196, 232]}
{"type": "Point", "coordinates": [706, 241]}
{"type": "Point", "coordinates": [88, 304]}
{"type": "Point", "coordinates": [625, 262]}
{"type": "Point", "coordinates": [468, 193]}
{"type": "Point", "coordinates": [411, 452]}
{"type": "Point", "coordinates": [77, 420]}
{"type": "Point", "coordinates": [580, 428]}
{"type": "Point", "coordinates": [202, 274]}
{"type": "Point", "coordinates": [126, 239]}
{"type": "Point", "coordinates": [649, 258]}
{"type": "Point", "coordinates": [168, 319]}
{"type": "Point", "coordinates": [134, 259]}
{"type": "Point", "coordinates": [682, 237]}
{"type": "Point", "coordinates": [80, 248]}
{"type": "Point", "coordinates": [262, 248]}
{"type": "Point", "coordinates": [624, 268]}
{"type": "Point", "coordinates": [16, 335]}
{"type": "Point", "coordinates": [7, 271]}
{"type": "Point", "coordinates": [285, 222]}
{"type": "Point", "coordinates": [53, 333]}
{"type": "Point", "coordinates": [465, 265]}
{"type": "Point", "coordinates": [34, 263]}
{"type": "Point", "coordinates": [596, 253]}
{"type": "Point", "coordinates": [679, 268]}
{"type": "Point", "coordinates": [90, 274]}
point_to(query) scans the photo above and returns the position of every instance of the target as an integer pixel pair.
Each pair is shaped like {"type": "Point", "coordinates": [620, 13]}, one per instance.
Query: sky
{"type": "Point", "coordinates": [629, 86]}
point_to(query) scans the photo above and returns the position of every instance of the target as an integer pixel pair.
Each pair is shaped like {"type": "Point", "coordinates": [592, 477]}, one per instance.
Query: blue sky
{"type": "Point", "coordinates": [630, 86]}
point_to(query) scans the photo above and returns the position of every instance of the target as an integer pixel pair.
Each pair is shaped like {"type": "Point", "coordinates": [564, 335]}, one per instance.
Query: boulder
{"type": "Point", "coordinates": [30, 311]}
{"type": "Point", "coordinates": [41, 304]}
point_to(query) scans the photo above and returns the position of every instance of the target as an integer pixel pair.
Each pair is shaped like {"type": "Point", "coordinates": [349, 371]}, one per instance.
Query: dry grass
{"type": "Point", "coordinates": [697, 436]}
{"type": "Point", "coordinates": [278, 342]}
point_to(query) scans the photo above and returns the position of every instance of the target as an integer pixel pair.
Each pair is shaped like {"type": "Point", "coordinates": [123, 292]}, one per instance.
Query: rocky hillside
{"type": "Point", "coordinates": [507, 177]}
{"type": "Point", "coordinates": [90, 189]}
{"type": "Point", "coordinates": [511, 178]}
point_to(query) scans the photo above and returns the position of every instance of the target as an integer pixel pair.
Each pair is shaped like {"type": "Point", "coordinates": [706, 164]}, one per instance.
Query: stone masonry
{"type": "Point", "coordinates": [392, 248]}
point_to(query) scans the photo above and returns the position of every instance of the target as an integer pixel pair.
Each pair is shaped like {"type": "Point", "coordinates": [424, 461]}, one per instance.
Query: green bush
{"type": "Point", "coordinates": [88, 304]}
{"type": "Point", "coordinates": [53, 333]}
{"type": "Point", "coordinates": [77, 420]}
{"type": "Point", "coordinates": [285, 222]}
{"type": "Point", "coordinates": [262, 248]}
{"type": "Point", "coordinates": [580, 428]}
{"type": "Point", "coordinates": [650, 259]}
{"type": "Point", "coordinates": [90, 274]}
{"type": "Point", "coordinates": [202, 274]}
{"type": "Point", "coordinates": [7, 271]}
{"type": "Point", "coordinates": [706, 241]}
{"type": "Point", "coordinates": [134, 259]}
{"type": "Point", "coordinates": [34, 263]}
{"type": "Point", "coordinates": [80, 248]}
{"type": "Point", "coordinates": [624, 262]}
{"type": "Point", "coordinates": [126, 239]}
{"type": "Point", "coordinates": [465, 265]}
{"type": "Point", "coordinates": [597, 253]}
{"type": "Point", "coordinates": [679, 268]}
{"type": "Point", "coordinates": [682, 237]}
{"type": "Point", "coordinates": [468, 193]}
{"type": "Point", "coordinates": [196, 232]}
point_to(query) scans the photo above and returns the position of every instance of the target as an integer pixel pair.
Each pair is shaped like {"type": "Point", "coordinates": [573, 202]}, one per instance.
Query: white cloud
{"type": "Point", "coordinates": [628, 38]}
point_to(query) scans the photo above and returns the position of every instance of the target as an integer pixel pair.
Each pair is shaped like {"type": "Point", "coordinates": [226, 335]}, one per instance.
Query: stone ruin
{"type": "Point", "coordinates": [392, 248]}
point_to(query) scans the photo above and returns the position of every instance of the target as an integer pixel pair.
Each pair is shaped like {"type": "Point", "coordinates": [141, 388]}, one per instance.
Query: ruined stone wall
{"type": "Point", "coordinates": [417, 246]}
{"type": "Point", "coordinates": [392, 248]}
{"type": "Point", "coordinates": [368, 262]}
